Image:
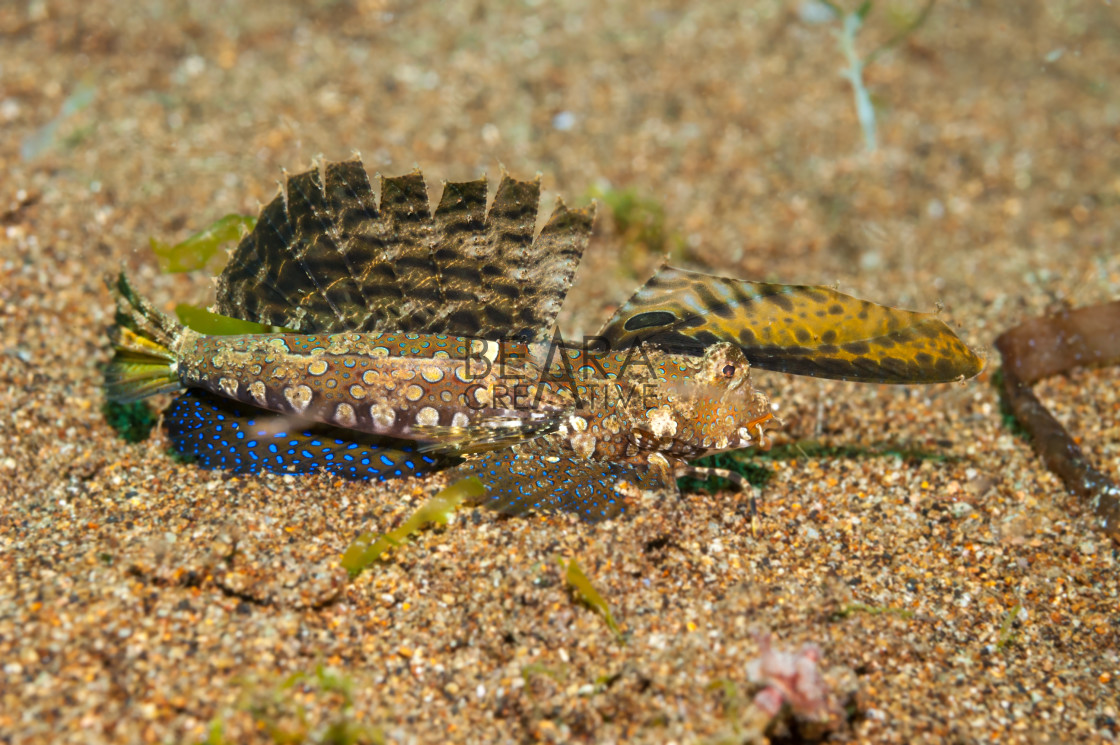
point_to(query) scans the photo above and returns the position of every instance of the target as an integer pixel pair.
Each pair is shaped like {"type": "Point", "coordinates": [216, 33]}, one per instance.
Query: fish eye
{"type": "Point", "coordinates": [728, 371]}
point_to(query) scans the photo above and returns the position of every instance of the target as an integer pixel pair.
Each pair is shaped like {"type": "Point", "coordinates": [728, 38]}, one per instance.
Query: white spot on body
{"type": "Point", "coordinates": [369, 377]}
{"type": "Point", "coordinates": [344, 415]}
{"type": "Point", "coordinates": [427, 417]}
{"type": "Point", "coordinates": [258, 392]}
{"type": "Point", "coordinates": [662, 423]}
{"type": "Point", "coordinates": [460, 420]}
{"type": "Point", "coordinates": [298, 397]}
{"type": "Point", "coordinates": [485, 349]}
{"type": "Point", "coordinates": [317, 367]}
{"type": "Point", "coordinates": [358, 392]}
{"type": "Point", "coordinates": [432, 374]}
{"type": "Point", "coordinates": [382, 415]}
{"type": "Point", "coordinates": [578, 423]}
{"type": "Point", "coordinates": [584, 445]}
{"type": "Point", "coordinates": [228, 386]}
{"type": "Point", "coordinates": [660, 463]}
{"type": "Point", "coordinates": [414, 393]}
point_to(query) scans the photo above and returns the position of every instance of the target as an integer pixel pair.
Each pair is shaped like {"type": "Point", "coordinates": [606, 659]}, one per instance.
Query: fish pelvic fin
{"type": "Point", "coordinates": [144, 340]}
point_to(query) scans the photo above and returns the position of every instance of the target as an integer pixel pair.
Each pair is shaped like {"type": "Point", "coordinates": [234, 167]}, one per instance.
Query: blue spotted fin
{"type": "Point", "coordinates": [223, 434]}
{"type": "Point", "coordinates": [540, 476]}
{"type": "Point", "coordinates": [798, 329]}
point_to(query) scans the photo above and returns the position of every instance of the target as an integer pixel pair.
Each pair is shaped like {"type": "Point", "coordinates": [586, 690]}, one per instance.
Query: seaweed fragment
{"type": "Point", "coordinates": [195, 252]}
{"type": "Point", "coordinates": [754, 473]}
{"type": "Point", "coordinates": [640, 227]}
{"type": "Point", "coordinates": [1007, 628]}
{"type": "Point", "coordinates": [817, 11]}
{"type": "Point", "coordinates": [368, 547]}
{"type": "Point", "coordinates": [585, 591]}
{"type": "Point", "coordinates": [1048, 345]}
{"type": "Point", "coordinates": [215, 324]}
{"type": "Point", "coordinates": [132, 422]}
{"type": "Point", "coordinates": [301, 708]}
{"type": "Point", "coordinates": [46, 137]}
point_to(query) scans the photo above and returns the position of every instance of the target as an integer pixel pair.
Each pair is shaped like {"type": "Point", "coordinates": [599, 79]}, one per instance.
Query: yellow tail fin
{"type": "Point", "coordinates": [144, 340]}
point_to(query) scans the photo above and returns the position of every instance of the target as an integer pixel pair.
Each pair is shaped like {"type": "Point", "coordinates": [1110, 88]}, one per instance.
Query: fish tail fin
{"type": "Point", "coordinates": [143, 339]}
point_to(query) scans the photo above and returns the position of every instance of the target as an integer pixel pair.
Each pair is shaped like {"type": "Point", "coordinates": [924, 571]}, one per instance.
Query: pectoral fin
{"type": "Point", "coordinates": [490, 433]}
{"type": "Point", "coordinates": [541, 477]}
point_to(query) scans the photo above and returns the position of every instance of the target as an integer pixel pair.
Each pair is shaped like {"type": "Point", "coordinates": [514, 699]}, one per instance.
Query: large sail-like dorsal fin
{"type": "Point", "coordinates": [408, 253]}
{"type": "Point", "coordinates": [319, 247]}
{"type": "Point", "coordinates": [499, 282]}
{"type": "Point", "coordinates": [799, 329]}
{"type": "Point", "coordinates": [326, 257]}
{"type": "Point", "coordinates": [361, 236]}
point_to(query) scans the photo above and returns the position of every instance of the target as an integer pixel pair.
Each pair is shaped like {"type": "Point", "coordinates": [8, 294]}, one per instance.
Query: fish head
{"type": "Point", "coordinates": [715, 407]}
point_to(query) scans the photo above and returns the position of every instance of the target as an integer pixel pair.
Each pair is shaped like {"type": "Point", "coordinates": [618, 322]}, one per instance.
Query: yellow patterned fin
{"type": "Point", "coordinates": [798, 329]}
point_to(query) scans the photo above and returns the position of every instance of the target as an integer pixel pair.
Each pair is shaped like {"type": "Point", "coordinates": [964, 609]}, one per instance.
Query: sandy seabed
{"type": "Point", "coordinates": [956, 591]}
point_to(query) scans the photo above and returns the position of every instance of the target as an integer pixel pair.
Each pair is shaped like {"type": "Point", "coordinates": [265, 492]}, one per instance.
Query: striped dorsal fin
{"type": "Point", "coordinates": [325, 256]}
{"type": "Point", "coordinates": [497, 280]}
{"type": "Point", "coordinates": [798, 329]}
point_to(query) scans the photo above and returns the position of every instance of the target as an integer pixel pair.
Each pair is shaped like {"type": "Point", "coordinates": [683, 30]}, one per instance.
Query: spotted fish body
{"type": "Point", "coordinates": [636, 418]}
{"type": "Point", "coordinates": [442, 390]}
{"type": "Point", "coordinates": [636, 404]}
{"type": "Point", "coordinates": [423, 341]}
{"type": "Point", "coordinates": [420, 387]}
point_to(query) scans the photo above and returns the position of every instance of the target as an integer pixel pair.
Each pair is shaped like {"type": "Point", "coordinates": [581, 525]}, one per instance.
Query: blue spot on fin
{"type": "Point", "coordinates": [207, 429]}
{"type": "Point", "coordinates": [540, 476]}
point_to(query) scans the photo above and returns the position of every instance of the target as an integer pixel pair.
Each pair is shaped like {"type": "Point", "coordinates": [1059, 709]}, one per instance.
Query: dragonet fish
{"type": "Point", "coordinates": [417, 341]}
